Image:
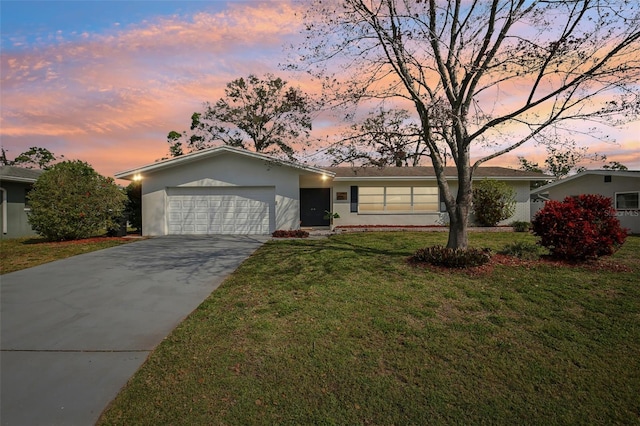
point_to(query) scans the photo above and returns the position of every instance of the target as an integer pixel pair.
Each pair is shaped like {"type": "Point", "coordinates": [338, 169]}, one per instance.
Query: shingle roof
{"type": "Point", "coordinates": [19, 174]}
{"type": "Point", "coordinates": [429, 172]}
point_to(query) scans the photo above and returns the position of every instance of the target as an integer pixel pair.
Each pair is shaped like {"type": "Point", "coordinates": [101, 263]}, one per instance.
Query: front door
{"type": "Point", "coordinates": [314, 202]}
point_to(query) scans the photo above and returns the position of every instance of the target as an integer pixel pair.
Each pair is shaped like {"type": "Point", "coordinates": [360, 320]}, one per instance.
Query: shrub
{"type": "Point", "coordinates": [521, 250]}
{"type": "Point", "coordinates": [134, 205]}
{"type": "Point", "coordinates": [579, 228]}
{"type": "Point", "coordinates": [71, 200]}
{"type": "Point", "coordinates": [294, 233]}
{"type": "Point", "coordinates": [521, 226]}
{"type": "Point", "coordinates": [451, 258]}
{"type": "Point", "coordinates": [493, 201]}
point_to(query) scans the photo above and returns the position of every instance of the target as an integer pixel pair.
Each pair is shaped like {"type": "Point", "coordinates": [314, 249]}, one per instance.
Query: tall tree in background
{"type": "Point", "coordinates": [260, 114]}
{"type": "Point", "coordinates": [34, 157]}
{"type": "Point", "coordinates": [562, 162]}
{"type": "Point", "coordinates": [384, 138]}
{"type": "Point", "coordinates": [490, 73]}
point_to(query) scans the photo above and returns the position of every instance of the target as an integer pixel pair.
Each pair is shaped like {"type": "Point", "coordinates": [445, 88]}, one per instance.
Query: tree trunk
{"type": "Point", "coordinates": [459, 211]}
{"type": "Point", "coordinates": [458, 237]}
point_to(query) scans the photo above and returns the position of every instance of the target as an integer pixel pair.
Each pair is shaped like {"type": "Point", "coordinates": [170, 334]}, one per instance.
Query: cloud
{"type": "Point", "coordinates": [110, 98]}
{"type": "Point", "coordinates": [130, 86]}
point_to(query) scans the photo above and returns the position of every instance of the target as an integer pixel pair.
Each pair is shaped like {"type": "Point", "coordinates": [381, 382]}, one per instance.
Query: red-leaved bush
{"type": "Point", "coordinates": [293, 233]}
{"type": "Point", "coordinates": [579, 228]}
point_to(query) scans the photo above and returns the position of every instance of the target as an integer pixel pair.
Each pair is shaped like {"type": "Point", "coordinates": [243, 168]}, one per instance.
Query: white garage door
{"type": "Point", "coordinates": [215, 210]}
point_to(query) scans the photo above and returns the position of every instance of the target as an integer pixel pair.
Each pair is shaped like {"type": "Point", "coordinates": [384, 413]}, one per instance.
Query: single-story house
{"type": "Point", "coordinates": [233, 191]}
{"type": "Point", "coordinates": [15, 184]}
{"type": "Point", "coordinates": [622, 186]}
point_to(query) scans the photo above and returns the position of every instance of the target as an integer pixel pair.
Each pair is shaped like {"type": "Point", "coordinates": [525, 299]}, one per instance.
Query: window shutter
{"type": "Point", "coordinates": [354, 199]}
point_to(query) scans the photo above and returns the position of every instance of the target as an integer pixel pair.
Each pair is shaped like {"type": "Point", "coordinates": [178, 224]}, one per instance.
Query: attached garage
{"type": "Point", "coordinates": [221, 190]}
{"type": "Point", "coordinates": [220, 210]}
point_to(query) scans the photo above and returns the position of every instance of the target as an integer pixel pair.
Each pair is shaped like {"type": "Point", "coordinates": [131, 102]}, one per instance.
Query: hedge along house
{"type": "Point", "coordinates": [226, 190]}
{"type": "Point", "coordinates": [622, 186]}
{"type": "Point", "coordinates": [15, 184]}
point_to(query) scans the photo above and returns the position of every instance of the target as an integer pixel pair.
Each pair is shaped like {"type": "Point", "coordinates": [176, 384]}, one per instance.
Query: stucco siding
{"type": "Point", "coordinates": [17, 220]}
{"type": "Point", "coordinates": [522, 212]}
{"type": "Point", "coordinates": [348, 218]}
{"type": "Point", "coordinates": [223, 170]}
{"type": "Point", "coordinates": [595, 184]}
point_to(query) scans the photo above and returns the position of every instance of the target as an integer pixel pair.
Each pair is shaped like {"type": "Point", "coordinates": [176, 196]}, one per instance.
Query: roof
{"type": "Point", "coordinates": [210, 153]}
{"type": "Point", "coordinates": [376, 173]}
{"type": "Point", "coordinates": [19, 174]}
{"type": "Point", "coordinates": [624, 173]}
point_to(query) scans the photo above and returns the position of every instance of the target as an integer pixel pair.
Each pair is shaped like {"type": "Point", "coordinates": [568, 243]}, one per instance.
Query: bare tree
{"type": "Point", "coordinates": [489, 73]}
{"type": "Point", "coordinates": [384, 138]}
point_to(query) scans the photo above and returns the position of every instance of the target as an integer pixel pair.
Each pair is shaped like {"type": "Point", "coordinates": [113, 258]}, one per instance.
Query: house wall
{"type": "Point", "coordinates": [17, 219]}
{"type": "Point", "coordinates": [347, 218]}
{"type": "Point", "coordinates": [224, 170]}
{"type": "Point", "coordinates": [523, 210]}
{"type": "Point", "coordinates": [595, 184]}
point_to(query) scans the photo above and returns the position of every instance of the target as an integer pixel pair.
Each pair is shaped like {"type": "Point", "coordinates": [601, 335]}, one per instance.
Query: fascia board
{"type": "Point", "coordinates": [16, 179]}
{"type": "Point", "coordinates": [213, 152]}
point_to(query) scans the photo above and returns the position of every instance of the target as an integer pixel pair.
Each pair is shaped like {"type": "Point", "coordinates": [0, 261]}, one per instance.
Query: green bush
{"type": "Point", "coordinates": [134, 205]}
{"type": "Point", "coordinates": [71, 200]}
{"type": "Point", "coordinates": [493, 201]}
{"type": "Point", "coordinates": [451, 258]}
{"type": "Point", "coordinates": [522, 250]}
{"type": "Point", "coordinates": [521, 226]}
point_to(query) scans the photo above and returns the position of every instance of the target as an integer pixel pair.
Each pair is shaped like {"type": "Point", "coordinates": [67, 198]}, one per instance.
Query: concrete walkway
{"type": "Point", "coordinates": [75, 330]}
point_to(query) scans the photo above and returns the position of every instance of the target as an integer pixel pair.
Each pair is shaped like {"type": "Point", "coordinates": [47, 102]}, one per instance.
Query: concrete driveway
{"type": "Point", "coordinates": [75, 330]}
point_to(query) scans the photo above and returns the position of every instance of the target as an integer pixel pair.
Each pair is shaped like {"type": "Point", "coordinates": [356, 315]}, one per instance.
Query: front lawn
{"type": "Point", "coordinates": [344, 331]}
{"type": "Point", "coordinates": [22, 253]}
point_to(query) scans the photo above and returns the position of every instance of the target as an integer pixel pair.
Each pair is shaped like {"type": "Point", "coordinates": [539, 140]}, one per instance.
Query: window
{"type": "Point", "coordinates": [425, 199]}
{"type": "Point", "coordinates": [607, 178]}
{"type": "Point", "coordinates": [397, 199]}
{"type": "Point", "coordinates": [627, 200]}
{"type": "Point", "coordinates": [370, 199]}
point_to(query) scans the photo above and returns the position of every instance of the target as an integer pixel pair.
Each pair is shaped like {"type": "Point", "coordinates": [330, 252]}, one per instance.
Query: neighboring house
{"type": "Point", "coordinates": [622, 186]}
{"type": "Point", "coordinates": [233, 191]}
{"type": "Point", "coordinates": [15, 184]}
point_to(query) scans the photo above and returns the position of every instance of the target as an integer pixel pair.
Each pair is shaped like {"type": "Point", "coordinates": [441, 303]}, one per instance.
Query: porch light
{"type": "Point", "coordinates": [137, 177]}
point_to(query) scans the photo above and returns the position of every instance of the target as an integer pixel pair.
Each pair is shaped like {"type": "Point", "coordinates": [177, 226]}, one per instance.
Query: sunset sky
{"type": "Point", "coordinates": [105, 81]}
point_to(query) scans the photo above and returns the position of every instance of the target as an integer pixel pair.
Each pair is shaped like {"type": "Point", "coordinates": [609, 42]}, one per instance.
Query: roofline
{"type": "Point", "coordinates": [625, 173]}
{"type": "Point", "coordinates": [409, 178]}
{"type": "Point", "coordinates": [17, 179]}
{"type": "Point", "coordinates": [197, 155]}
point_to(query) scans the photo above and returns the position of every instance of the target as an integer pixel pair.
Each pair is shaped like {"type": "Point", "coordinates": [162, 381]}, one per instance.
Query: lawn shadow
{"type": "Point", "coordinates": [334, 243]}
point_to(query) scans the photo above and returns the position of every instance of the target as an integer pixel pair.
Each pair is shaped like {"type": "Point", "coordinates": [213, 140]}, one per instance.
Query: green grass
{"type": "Point", "coordinates": [22, 253]}
{"type": "Point", "coordinates": [343, 331]}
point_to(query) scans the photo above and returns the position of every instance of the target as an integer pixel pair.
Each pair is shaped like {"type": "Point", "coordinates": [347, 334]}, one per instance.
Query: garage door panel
{"type": "Point", "coordinates": [174, 216]}
{"type": "Point", "coordinates": [174, 204]}
{"type": "Point", "coordinates": [219, 211]}
{"type": "Point", "coordinates": [202, 205]}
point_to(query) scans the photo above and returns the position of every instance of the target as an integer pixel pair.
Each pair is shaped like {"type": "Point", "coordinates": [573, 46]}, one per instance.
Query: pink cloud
{"type": "Point", "coordinates": [110, 99]}
{"type": "Point", "coordinates": [95, 94]}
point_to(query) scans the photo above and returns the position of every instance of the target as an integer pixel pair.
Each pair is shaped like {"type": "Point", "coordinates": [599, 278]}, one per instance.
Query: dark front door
{"type": "Point", "coordinates": [313, 204]}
